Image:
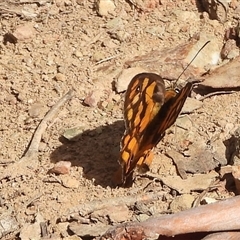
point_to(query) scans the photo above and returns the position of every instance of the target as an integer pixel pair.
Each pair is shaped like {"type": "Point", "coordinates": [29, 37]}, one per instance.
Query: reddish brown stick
{"type": "Point", "coordinates": [219, 216]}
{"type": "Point", "coordinates": [223, 235]}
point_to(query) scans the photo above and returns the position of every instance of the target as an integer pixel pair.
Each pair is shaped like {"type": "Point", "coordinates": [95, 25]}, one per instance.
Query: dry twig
{"type": "Point", "coordinates": [34, 145]}
{"type": "Point", "coordinates": [107, 59]}
{"type": "Point", "coordinates": [29, 160]}
{"type": "Point", "coordinates": [215, 93]}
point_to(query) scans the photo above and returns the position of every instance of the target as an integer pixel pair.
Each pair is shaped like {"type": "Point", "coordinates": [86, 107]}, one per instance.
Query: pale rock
{"type": "Point", "coordinates": [42, 147]}
{"type": "Point", "coordinates": [73, 237]}
{"type": "Point", "coordinates": [70, 182]}
{"type": "Point", "coordinates": [59, 3]}
{"type": "Point", "coordinates": [11, 99]}
{"type": "Point", "coordinates": [208, 200]}
{"type": "Point", "coordinates": [93, 98]}
{"type": "Point", "coordinates": [60, 77]}
{"type": "Point", "coordinates": [63, 229]}
{"type": "Point", "coordinates": [24, 32]}
{"type": "Point", "coordinates": [86, 230]}
{"type": "Point", "coordinates": [68, 2]}
{"type": "Point", "coordinates": [118, 213]}
{"type": "Point", "coordinates": [186, 16]}
{"type": "Point", "coordinates": [105, 7]}
{"type": "Point", "coordinates": [190, 105]}
{"type": "Point", "coordinates": [37, 110]}
{"type": "Point", "coordinates": [73, 134]}
{"type": "Point", "coordinates": [125, 77]}
{"type": "Point", "coordinates": [225, 76]}
{"type": "Point", "coordinates": [78, 54]}
{"type": "Point", "coordinates": [209, 56]}
{"type": "Point", "coordinates": [192, 183]}
{"type": "Point", "coordinates": [98, 56]}
{"type": "Point", "coordinates": [61, 167]}
{"type": "Point", "coordinates": [181, 203]}
{"type": "Point", "coordinates": [32, 231]}
{"type": "Point", "coordinates": [8, 223]}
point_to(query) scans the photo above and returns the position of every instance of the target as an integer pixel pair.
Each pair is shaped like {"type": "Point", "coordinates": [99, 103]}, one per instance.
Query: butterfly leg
{"type": "Point", "coordinates": [145, 161]}
{"type": "Point", "coordinates": [117, 178]}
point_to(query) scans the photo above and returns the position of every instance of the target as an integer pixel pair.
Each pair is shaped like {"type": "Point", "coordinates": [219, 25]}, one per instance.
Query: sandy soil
{"type": "Point", "coordinates": [64, 51]}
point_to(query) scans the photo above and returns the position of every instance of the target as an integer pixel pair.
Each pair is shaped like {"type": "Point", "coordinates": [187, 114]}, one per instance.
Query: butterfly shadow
{"type": "Point", "coordinates": [96, 151]}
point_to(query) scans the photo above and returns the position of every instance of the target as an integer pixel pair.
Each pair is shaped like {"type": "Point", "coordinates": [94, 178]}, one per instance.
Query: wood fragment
{"type": "Point", "coordinates": [44, 231]}
{"type": "Point", "coordinates": [223, 235]}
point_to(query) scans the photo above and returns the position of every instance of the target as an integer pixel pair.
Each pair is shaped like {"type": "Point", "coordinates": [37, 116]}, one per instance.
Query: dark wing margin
{"type": "Point", "coordinates": [173, 107]}
{"type": "Point", "coordinates": [165, 118]}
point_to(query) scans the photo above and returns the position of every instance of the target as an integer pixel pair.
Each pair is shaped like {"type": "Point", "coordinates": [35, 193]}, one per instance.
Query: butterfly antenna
{"type": "Point", "coordinates": [193, 59]}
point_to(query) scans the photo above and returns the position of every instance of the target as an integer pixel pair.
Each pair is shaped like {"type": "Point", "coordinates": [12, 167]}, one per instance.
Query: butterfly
{"type": "Point", "coordinates": [149, 109]}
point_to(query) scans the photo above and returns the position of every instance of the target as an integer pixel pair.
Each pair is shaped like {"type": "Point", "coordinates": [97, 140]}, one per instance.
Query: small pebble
{"type": "Point", "coordinates": [42, 147]}
{"type": "Point", "coordinates": [11, 99]}
{"type": "Point", "coordinates": [78, 54]}
{"type": "Point", "coordinates": [70, 182]}
{"type": "Point", "coordinates": [93, 98]}
{"type": "Point", "coordinates": [61, 167]}
{"type": "Point", "coordinates": [182, 202]}
{"type": "Point", "coordinates": [60, 77]}
{"type": "Point", "coordinates": [105, 7]}
{"type": "Point", "coordinates": [36, 110]}
{"type": "Point", "coordinates": [126, 76]}
{"type": "Point", "coordinates": [73, 134]}
{"type": "Point", "coordinates": [98, 56]}
{"type": "Point", "coordinates": [24, 32]}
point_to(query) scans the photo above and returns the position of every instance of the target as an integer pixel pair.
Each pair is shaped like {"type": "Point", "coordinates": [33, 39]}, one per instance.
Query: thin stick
{"type": "Point", "coordinates": [33, 200]}
{"type": "Point", "coordinates": [29, 159]}
{"type": "Point", "coordinates": [34, 145]}
{"type": "Point", "coordinates": [107, 59]}
{"type": "Point", "coordinates": [44, 230]}
{"type": "Point", "coordinates": [215, 93]}
{"type": "Point", "coordinates": [212, 186]}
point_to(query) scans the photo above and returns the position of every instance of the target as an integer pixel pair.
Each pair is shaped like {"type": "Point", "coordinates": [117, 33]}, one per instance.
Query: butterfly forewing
{"type": "Point", "coordinates": [144, 97]}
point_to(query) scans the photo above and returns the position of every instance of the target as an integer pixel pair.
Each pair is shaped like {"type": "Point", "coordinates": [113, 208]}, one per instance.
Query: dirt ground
{"type": "Point", "coordinates": [71, 46]}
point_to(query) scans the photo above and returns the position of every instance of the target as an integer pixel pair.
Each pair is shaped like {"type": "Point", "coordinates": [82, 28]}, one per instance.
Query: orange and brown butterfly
{"type": "Point", "coordinates": [149, 109]}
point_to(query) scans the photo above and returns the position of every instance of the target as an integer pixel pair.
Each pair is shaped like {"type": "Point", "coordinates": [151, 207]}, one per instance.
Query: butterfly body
{"type": "Point", "coordinates": [149, 109]}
